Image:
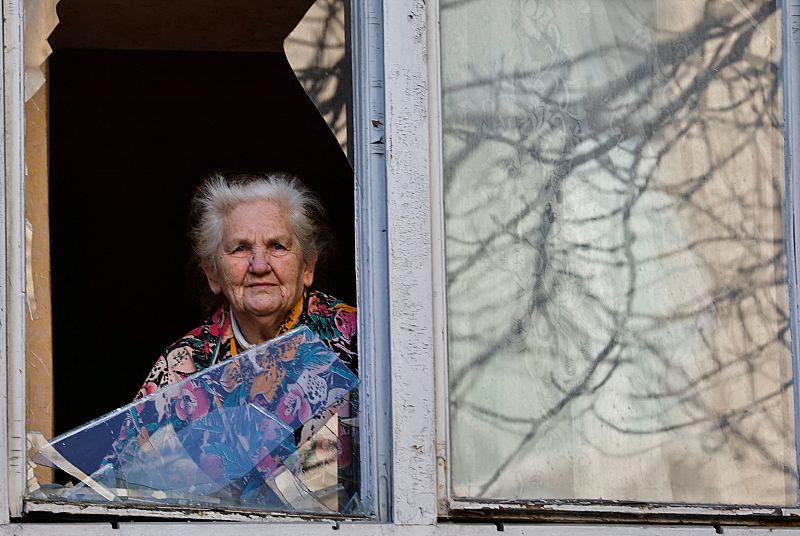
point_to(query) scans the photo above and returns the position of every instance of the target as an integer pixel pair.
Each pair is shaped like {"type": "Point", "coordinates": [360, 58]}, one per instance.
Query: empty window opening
{"type": "Point", "coordinates": [143, 102]}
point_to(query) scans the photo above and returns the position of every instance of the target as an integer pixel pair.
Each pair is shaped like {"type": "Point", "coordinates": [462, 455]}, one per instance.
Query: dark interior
{"type": "Point", "coordinates": [131, 135]}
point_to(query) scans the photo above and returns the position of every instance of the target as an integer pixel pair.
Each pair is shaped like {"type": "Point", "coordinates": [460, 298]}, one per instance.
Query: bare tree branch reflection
{"type": "Point", "coordinates": [318, 54]}
{"type": "Point", "coordinates": [615, 233]}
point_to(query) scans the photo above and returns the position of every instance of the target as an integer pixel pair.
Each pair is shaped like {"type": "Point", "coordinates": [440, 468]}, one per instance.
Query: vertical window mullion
{"type": "Point", "coordinates": [791, 99]}
{"type": "Point", "coordinates": [410, 283]}
{"type": "Point", "coordinates": [439, 269]}
{"type": "Point", "coordinates": [4, 499]}
{"type": "Point", "coordinates": [372, 254]}
{"type": "Point", "coordinates": [13, 250]}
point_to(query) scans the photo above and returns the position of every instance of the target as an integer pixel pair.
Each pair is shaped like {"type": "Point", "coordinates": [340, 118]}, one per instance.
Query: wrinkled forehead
{"type": "Point", "coordinates": [259, 220]}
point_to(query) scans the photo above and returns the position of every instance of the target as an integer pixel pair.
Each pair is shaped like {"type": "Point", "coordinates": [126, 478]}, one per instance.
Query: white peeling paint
{"type": "Point", "coordinates": [408, 190]}
{"type": "Point", "coordinates": [3, 360]}
{"type": "Point", "coordinates": [12, 316]}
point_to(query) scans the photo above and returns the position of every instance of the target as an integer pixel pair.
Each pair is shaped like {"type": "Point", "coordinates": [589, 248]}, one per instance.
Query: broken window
{"type": "Point", "coordinates": [226, 436]}
{"type": "Point", "coordinates": [139, 104]}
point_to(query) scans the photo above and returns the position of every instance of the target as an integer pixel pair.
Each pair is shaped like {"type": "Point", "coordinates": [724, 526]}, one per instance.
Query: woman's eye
{"type": "Point", "coordinates": [278, 249]}
{"type": "Point", "coordinates": [241, 248]}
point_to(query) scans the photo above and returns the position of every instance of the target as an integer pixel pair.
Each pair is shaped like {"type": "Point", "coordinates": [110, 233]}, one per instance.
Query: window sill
{"type": "Point", "coordinates": [365, 529]}
{"type": "Point", "coordinates": [54, 509]}
{"type": "Point", "coordinates": [605, 512]}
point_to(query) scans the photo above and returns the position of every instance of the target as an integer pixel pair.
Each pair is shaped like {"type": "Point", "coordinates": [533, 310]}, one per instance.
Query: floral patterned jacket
{"type": "Point", "coordinates": [331, 319]}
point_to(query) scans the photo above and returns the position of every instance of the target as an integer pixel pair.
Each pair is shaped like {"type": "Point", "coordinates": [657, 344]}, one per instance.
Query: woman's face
{"type": "Point", "coordinates": [261, 269]}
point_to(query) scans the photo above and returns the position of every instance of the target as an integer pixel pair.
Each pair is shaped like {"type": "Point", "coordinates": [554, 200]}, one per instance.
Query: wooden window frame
{"type": "Point", "coordinates": [397, 144]}
{"type": "Point", "coordinates": [604, 511]}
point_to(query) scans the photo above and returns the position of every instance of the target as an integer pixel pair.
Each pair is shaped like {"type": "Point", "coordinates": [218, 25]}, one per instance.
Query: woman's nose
{"type": "Point", "coordinates": [259, 261]}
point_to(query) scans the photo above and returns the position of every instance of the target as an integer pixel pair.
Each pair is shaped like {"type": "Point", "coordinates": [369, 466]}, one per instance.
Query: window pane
{"type": "Point", "coordinates": [618, 313]}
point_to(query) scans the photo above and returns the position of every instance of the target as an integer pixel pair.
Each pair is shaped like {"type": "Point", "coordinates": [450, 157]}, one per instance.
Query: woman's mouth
{"type": "Point", "coordinates": [261, 285]}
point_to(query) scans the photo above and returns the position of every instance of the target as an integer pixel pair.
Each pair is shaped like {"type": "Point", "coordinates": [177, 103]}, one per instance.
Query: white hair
{"type": "Point", "coordinates": [220, 194]}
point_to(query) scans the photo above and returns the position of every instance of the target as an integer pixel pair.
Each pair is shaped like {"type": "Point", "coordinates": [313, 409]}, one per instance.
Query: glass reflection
{"type": "Point", "coordinates": [618, 313]}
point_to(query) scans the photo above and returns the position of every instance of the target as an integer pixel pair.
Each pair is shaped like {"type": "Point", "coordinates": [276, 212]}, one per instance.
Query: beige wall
{"type": "Point", "coordinates": [39, 330]}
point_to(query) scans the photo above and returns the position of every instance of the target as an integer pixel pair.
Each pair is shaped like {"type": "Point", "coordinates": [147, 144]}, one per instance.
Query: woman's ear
{"type": "Point", "coordinates": [211, 276]}
{"type": "Point", "coordinates": [308, 271]}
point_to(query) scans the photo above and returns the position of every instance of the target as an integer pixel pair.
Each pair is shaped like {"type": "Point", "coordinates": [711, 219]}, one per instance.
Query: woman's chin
{"type": "Point", "coordinates": [258, 310]}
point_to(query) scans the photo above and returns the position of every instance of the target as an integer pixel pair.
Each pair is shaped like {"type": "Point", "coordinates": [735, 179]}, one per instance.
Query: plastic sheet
{"type": "Point", "coordinates": [259, 431]}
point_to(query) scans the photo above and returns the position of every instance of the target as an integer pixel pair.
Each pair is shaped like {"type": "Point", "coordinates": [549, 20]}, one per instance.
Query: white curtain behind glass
{"type": "Point", "coordinates": [617, 300]}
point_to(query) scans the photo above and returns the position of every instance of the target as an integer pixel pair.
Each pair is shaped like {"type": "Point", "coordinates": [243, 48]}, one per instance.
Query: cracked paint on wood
{"type": "Point", "coordinates": [410, 279]}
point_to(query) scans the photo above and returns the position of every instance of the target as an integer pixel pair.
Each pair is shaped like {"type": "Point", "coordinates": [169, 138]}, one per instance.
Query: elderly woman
{"type": "Point", "coordinates": [258, 240]}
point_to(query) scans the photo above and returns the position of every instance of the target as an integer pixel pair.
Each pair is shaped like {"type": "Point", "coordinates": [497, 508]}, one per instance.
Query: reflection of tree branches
{"type": "Point", "coordinates": [324, 68]}
{"type": "Point", "coordinates": [549, 134]}
{"type": "Point", "coordinates": [550, 413]}
{"type": "Point", "coordinates": [725, 421]}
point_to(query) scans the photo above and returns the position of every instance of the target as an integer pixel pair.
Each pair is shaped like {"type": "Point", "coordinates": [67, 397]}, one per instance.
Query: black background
{"type": "Point", "coordinates": [131, 136]}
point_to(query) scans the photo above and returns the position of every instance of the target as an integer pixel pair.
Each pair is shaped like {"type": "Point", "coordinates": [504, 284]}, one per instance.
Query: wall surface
{"type": "Point", "coordinates": [39, 334]}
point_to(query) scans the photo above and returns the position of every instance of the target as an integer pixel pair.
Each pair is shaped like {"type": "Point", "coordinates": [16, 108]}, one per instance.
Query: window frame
{"type": "Point", "coordinates": [12, 247]}
{"type": "Point", "coordinates": [396, 61]}
{"type": "Point", "coordinates": [604, 510]}
{"type": "Point", "coordinates": [366, 19]}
